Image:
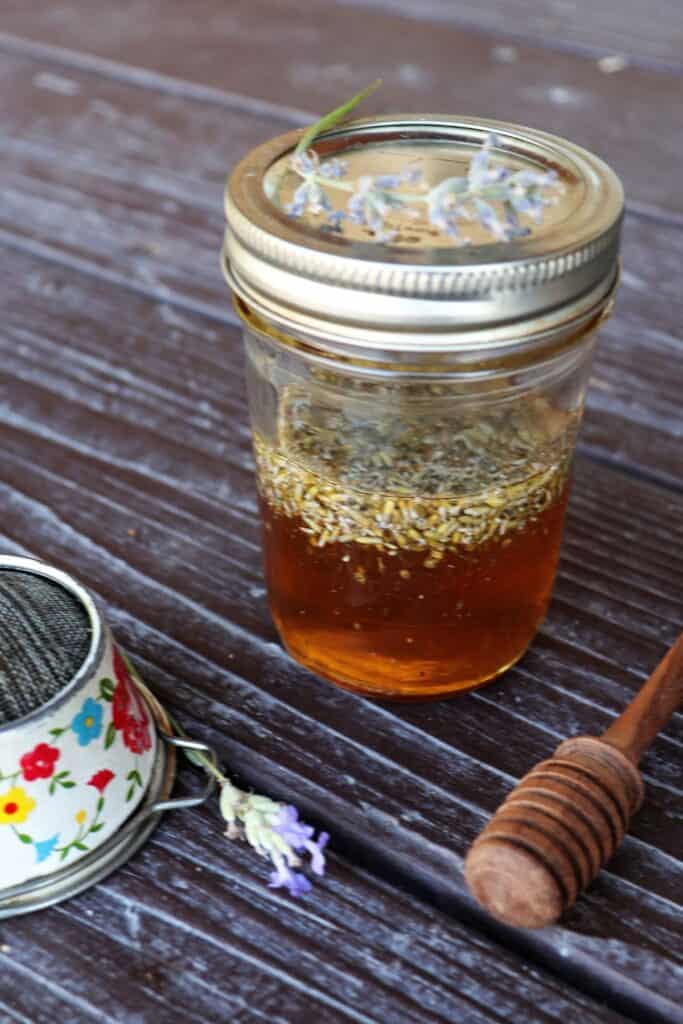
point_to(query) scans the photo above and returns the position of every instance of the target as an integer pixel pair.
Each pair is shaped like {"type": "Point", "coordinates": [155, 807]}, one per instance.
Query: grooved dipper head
{"type": "Point", "coordinates": [553, 833]}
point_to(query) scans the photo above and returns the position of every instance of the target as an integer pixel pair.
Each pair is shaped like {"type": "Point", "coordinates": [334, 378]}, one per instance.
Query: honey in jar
{"type": "Point", "coordinates": [416, 395]}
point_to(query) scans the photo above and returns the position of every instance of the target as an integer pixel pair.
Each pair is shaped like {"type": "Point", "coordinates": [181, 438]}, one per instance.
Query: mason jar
{"type": "Point", "coordinates": [420, 298]}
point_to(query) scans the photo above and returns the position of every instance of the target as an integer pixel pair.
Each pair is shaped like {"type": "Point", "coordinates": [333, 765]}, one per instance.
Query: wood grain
{"type": "Point", "coordinates": [96, 379]}
{"type": "Point", "coordinates": [124, 456]}
{"type": "Point", "coordinates": [151, 218]}
{"type": "Point", "coordinates": [650, 36]}
{"type": "Point", "coordinates": [651, 708]}
{"type": "Point", "coordinates": [312, 56]}
{"type": "Point", "coordinates": [203, 939]}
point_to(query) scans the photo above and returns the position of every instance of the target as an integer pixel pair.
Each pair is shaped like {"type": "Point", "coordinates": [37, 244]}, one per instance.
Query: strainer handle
{"type": "Point", "coordinates": [177, 803]}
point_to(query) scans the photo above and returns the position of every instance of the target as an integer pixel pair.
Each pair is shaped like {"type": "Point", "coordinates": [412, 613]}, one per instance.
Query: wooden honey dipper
{"type": "Point", "coordinates": [565, 819]}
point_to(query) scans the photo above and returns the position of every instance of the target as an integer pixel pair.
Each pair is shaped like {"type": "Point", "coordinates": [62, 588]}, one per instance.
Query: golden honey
{"type": "Point", "coordinates": [402, 594]}
{"type": "Point", "coordinates": [389, 626]}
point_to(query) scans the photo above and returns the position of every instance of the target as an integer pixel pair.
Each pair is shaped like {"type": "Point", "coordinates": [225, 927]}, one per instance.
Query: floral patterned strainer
{"type": "Point", "coordinates": [86, 753]}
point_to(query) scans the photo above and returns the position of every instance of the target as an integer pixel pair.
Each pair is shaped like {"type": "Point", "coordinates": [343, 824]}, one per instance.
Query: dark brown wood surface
{"type": "Point", "coordinates": [651, 35]}
{"type": "Point", "coordinates": [124, 456]}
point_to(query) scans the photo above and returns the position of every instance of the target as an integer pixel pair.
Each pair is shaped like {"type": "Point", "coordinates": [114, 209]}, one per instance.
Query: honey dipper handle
{"type": "Point", "coordinates": [651, 708]}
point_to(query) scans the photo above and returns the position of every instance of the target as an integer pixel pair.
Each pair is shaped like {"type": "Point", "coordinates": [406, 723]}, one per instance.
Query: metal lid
{"type": "Point", "coordinates": [423, 233]}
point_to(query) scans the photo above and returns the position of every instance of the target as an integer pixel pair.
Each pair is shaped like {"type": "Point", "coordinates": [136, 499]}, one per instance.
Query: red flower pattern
{"type": "Point", "coordinates": [128, 711]}
{"type": "Point", "coordinates": [101, 779]}
{"type": "Point", "coordinates": [39, 763]}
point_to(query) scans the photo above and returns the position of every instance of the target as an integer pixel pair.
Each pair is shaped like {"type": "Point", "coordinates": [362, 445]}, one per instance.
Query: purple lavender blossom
{"type": "Point", "coordinates": [373, 200]}
{"type": "Point", "coordinates": [272, 829]}
{"type": "Point", "coordinates": [473, 197]}
{"type": "Point", "coordinates": [336, 219]}
{"type": "Point", "coordinates": [490, 194]}
{"type": "Point", "coordinates": [480, 174]}
{"type": "Point", "coordinates": [504, 230]}
{"type": "Point", "coordinates": [317, 856]}
{"type": "Point", "coordinates": [408, 176]}
{"type": "Point", "coordinates": [291, 829]}
{"type": "Point", "coordinates": [309, 197]}
{"type": "Point", "coordinates": [367, 205]}
{"type": "Point", "coordinates": [333, 168]}
{"type": "Point", "coordinates": [284, 878]}
{"type": "Point", "coordinates": [300, 838]}
{"type": "Point", "coordinates": [525, 192]}
{"type": "Point", "coordinates": [305, 163]}
{"type": "Point", "coordinates": [445, 209]}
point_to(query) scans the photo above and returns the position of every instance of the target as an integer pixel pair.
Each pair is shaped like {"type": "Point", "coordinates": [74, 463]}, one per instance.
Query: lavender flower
{"type": "Point", "coordinates": [283, 877]}
{"type": "Point", "coordinates": [504, 230]}
{"type": "Point", "coordinates": [525, 192]}
{"type": "Point", "coordinates": [374, 200]}
{"type": "Point", "coordinates": [334, 168]}
{"type": "Point", "coordinates": [445, 208]}
{"type": "Point", "coordinates": [291, 829]}
{"type": "Point", "coordinates": [335, 220]}
{"type": "Point", "coordinates": [310, 197]}
{"type": "Point", "coordinates": [489, 194]}
{"type": "Point", "coordinates": [275, 832]}
{"type": "Point", "coordinates": [271, 828]}
{"type": "Point", "coordinates": [472, 197]}
{"type": "Point", "coordinates": [300, 837]}
{"type": "Point", "coordinates": [480, 174]}
{"type": "Point", "coordinates": [370, 205]}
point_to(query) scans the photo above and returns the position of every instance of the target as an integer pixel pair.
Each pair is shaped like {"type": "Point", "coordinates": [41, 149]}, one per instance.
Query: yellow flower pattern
{"type": "Point", "coordinates": [15, 806]}
{"type": "Point", "coordinates": [112, 708]}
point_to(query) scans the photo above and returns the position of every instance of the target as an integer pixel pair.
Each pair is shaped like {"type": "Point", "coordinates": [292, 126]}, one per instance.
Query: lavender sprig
{"type": "Point", "coordinates": [272, 829]}
{"type": "Point", "coordinates": [374, 199]}
{"type": "Point", "coordinates": [275, 832]}
{"type": "Point", "coordinates": [489, 194]}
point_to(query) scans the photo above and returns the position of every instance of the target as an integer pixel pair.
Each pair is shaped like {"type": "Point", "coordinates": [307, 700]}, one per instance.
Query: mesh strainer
{"type": "Point", "coordinates": [45, 635]}
{"type": "Point", "coordinates": [87, 755]}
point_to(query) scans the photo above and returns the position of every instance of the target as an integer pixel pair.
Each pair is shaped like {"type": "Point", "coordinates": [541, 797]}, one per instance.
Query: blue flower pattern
{"type": "Point", "coordinates": [87, 724]}
{"type": "Point", "coordinates": [45, 847]}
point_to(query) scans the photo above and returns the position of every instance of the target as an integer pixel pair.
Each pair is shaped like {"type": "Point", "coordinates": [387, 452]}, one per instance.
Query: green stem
{"type": "Point", "coordinates": [208, 765]}
{"type": "Point", "coordinates": [198, 757]}
{"type": "Point", "coordinates": [98, 814]}
{"type": "Point", "coordinates": [333, 118]}
{"type": "Point", "coordinates": [329, 120]}
{"type": "Point", "coordinates": [78, 838]}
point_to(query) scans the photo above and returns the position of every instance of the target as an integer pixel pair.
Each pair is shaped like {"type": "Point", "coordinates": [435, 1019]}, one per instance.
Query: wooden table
{"type": "Point", "coordinates": [124, 456]}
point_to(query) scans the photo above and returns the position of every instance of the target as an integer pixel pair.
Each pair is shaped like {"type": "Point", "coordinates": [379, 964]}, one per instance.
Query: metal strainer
{"type": "Point", "coordinates": [87, 754]}
{"type": "Point", "coordinates": [45, 636]}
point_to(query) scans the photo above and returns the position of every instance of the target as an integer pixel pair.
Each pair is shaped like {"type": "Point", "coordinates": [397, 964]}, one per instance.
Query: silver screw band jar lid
{"type": "Point", "coordinates": [423, 234]}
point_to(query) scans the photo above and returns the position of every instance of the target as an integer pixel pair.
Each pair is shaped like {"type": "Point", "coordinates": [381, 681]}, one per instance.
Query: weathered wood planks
{"type": "Point", "coordinates": [151, 218]}
{"type": "Point", "coordinates": [161, 521]}
{"type": "Point", "coordinates": [124, 451]}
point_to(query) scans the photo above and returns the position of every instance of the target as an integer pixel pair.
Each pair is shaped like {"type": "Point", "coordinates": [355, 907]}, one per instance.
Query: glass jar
{"type": "Point", "coordinates": [416, 396]}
